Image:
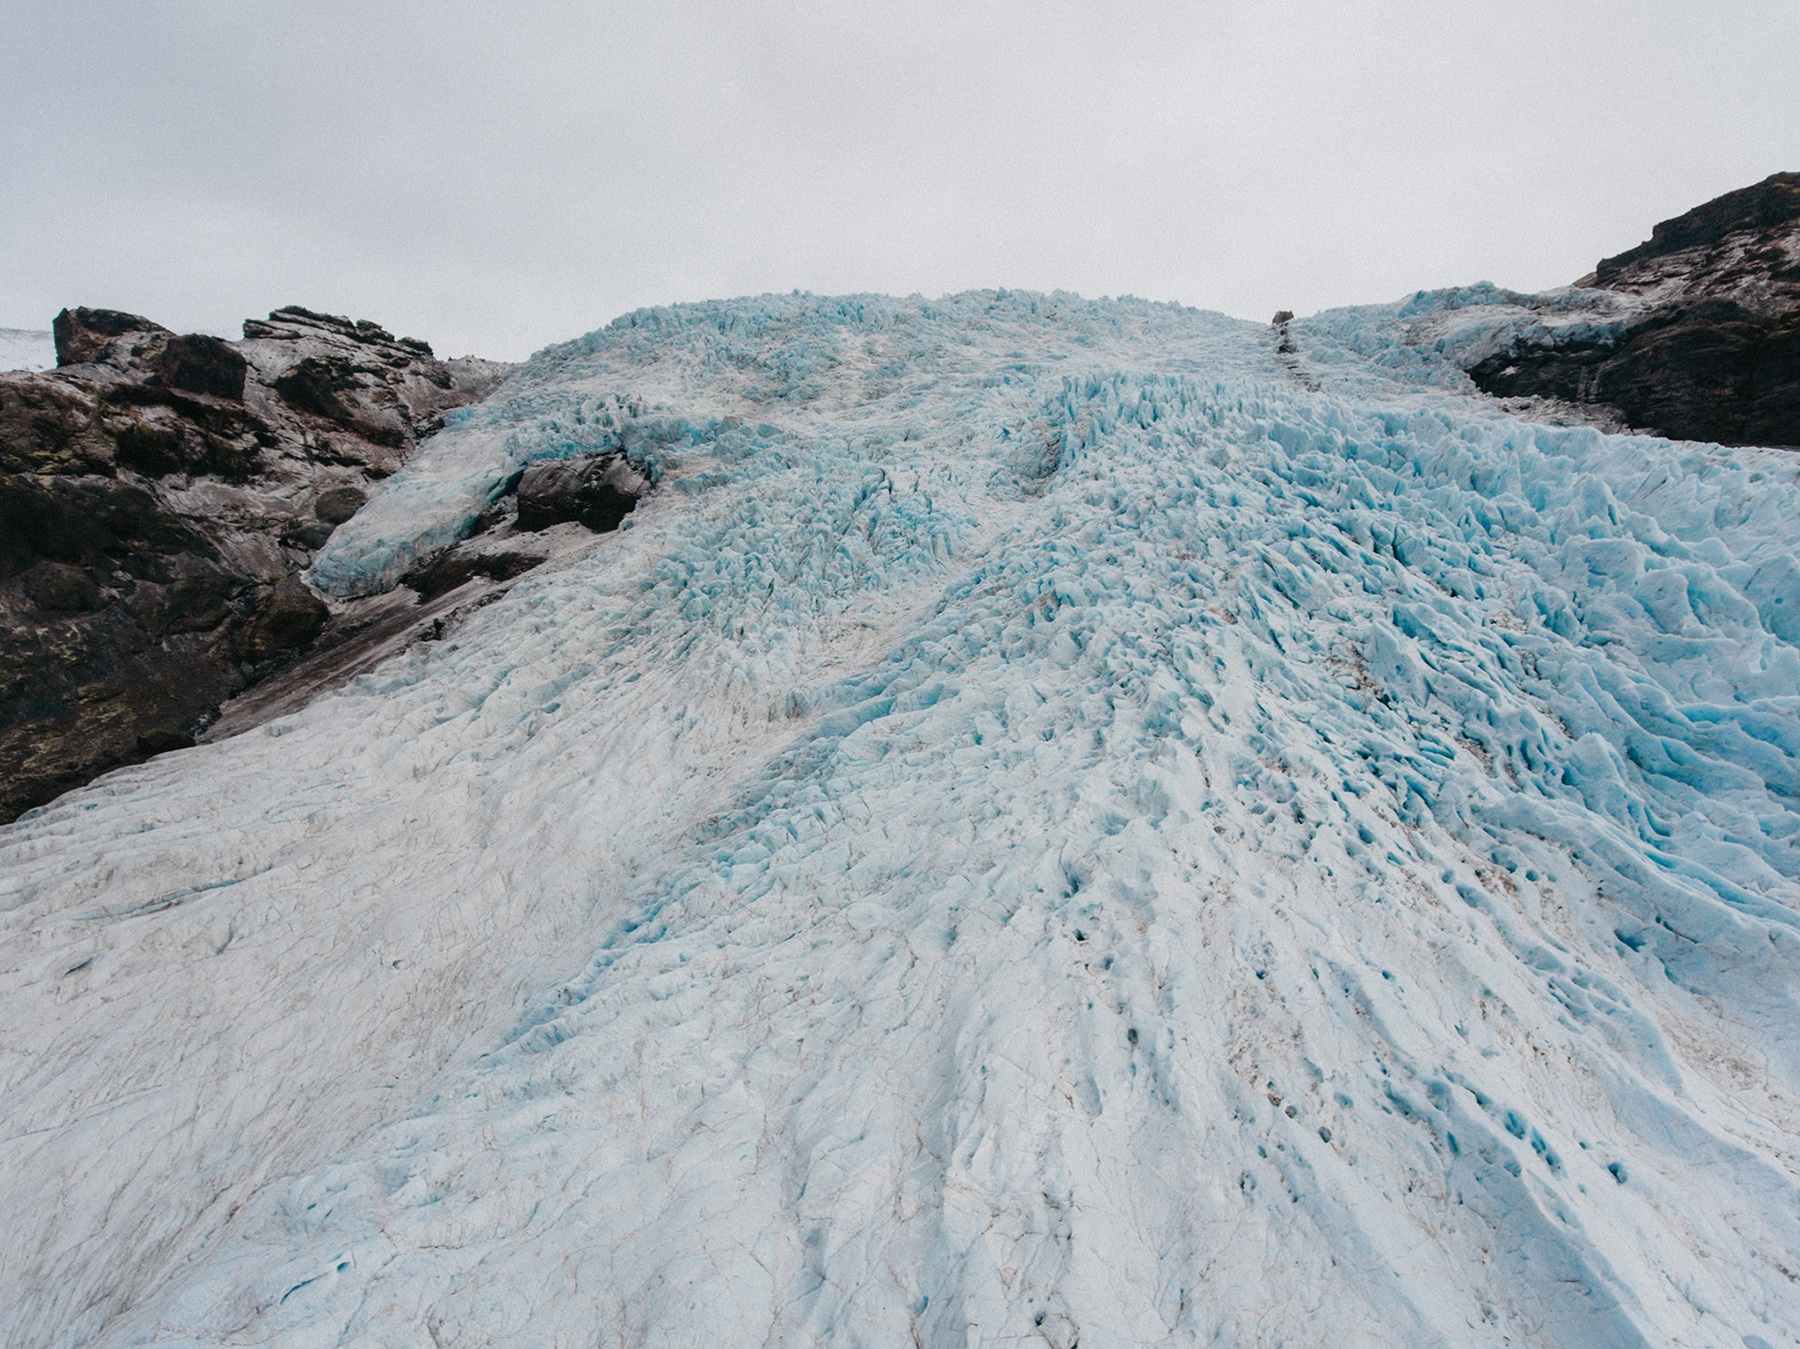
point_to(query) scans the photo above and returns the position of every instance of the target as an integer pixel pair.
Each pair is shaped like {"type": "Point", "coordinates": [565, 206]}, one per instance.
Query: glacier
{"type": "Point", "coordinates": [1059, 821]}
{"type": "Point", "coordinates": [27, 349]}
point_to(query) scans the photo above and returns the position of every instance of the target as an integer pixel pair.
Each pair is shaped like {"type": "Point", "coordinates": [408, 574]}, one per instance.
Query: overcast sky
{"type": "Point", "coordinates": [497, 176]}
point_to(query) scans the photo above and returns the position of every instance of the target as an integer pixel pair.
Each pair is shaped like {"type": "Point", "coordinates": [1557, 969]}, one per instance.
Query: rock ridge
{"type": "Point", "coordinates": [1713, 350]}
{"type": "Point", "coordinates": [161, 495]}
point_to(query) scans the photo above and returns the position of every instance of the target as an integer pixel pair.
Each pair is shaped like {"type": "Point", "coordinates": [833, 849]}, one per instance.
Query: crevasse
{"type": "Point", "coordinates": [1057, 822]}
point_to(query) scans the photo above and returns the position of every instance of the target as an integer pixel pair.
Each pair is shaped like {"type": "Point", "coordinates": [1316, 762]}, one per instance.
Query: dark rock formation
{"type": "Point", "coordinates": [55, 587]}
{"type": "Point", "coordinates": [457, 566]}
{"type": "Point", "coordinates": [1715, 351]}
{"type": "Point", "coordinates": [82, 334]}
{"type": "Point", "coordinates": [202, 364]}
{"type": "Point", "coordinates": [358, 376]}
{"type": "Point", "coordinates": [287, 621]}
{"type": "Point", "coordinates": [1285, 346]}
{"type": "Point", "coordinates": [596, 490]}
{"type": "Point", "coordinates": [160, 495]}
{"type": "Point", "coordinates": [1761, 209]}
{"type": "Point", "coordinates": [162, 739]}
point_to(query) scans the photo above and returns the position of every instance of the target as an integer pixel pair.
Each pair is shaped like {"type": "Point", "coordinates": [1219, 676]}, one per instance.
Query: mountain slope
{"type": "Point", "coordinates": [1058, 821]}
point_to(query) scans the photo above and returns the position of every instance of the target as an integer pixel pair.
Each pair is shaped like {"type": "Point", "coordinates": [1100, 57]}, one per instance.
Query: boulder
{"type": "Point", "coordinates": [57, 587]}
{"type": "Point", "coordinates": [458, 566]}
{"type": "Point", "coordinates": [595, 490]}
{"type": "Point", "coordinates": [288, 620]}
{"type": "Point", "coordinates": [311, 536]}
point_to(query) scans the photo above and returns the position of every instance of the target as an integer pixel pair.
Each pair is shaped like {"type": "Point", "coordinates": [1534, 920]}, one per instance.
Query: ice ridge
{"type": "Point", "coordinates": [1057, 822]}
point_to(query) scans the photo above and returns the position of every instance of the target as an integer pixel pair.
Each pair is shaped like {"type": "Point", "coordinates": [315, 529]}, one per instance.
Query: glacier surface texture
{"type": "Point", "coordinates": [26, 349]}
{"type": "Point", "coordinates": [1057, 822]}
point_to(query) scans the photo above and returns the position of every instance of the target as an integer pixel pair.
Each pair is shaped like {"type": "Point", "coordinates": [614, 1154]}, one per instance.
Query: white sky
{"type": "Point", "coordinates": [496, 176]}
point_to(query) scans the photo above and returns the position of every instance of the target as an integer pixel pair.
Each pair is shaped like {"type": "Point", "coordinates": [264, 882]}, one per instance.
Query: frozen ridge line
{"type": "Point", "coordinates": [1056, 822]}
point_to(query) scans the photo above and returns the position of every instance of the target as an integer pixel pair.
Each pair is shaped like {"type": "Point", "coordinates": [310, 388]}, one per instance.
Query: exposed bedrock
{"type": "Point", "coordinates": [1715, 352]}
{"type": "Point", "coordinates": [160, 496]}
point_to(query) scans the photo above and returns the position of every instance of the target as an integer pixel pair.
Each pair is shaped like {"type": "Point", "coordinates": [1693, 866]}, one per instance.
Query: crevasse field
{"type": "Point", "coordinates": [1056, 823]}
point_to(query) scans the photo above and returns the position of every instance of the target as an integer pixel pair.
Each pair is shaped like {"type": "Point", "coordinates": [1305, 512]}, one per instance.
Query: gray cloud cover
{"type": "Point", "coordinates": [495, 177]}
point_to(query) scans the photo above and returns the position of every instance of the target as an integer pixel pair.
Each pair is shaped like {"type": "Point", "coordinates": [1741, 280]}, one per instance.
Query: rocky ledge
{"type": "Point", "coordinates": [1713, 349]}
{"type": "Point", "coordinates": [160, 496]}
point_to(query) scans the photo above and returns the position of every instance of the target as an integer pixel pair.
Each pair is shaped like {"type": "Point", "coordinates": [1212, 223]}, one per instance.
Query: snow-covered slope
{"type": "Point", "coordinates": [1056, 822]}
{"type": "Point", "coordinates": [26, 349]}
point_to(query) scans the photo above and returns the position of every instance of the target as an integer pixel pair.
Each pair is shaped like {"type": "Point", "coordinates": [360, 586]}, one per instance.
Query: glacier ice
{"type": "Point", "coordinates": [1056, 822]}
{"type": "Point", "coordinates": [26, 349]}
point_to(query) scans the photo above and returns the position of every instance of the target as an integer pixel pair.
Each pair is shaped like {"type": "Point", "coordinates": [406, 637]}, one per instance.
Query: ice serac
{"type": "Point", "coordinates": [1057, 822]}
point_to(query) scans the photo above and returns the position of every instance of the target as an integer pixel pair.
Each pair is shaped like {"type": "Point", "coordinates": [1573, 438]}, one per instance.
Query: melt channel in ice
{"type": "Point", "coordinates": [1056, 821]}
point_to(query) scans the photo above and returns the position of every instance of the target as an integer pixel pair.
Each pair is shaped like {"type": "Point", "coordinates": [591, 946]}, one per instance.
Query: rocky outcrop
{"type": "Point", "coordinates": [595, 490]}
{"type": "Point", "coordinates": [160, 496]}
{"type": "Point", "coordinates": [1766, 209]}
{"type": "Point", "coordinates": [1713, 352]}
{"type": "Point", "coordinates": [83, 335]}
{"type": "Point", "coordinates": [359, 378]}
{"type": "Point", "coordinates": [432, 599]}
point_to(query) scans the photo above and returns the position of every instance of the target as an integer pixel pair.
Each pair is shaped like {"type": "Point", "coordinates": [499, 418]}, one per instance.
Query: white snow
{"type": "Point", "coordinates": [26, 349]}
{"type": "Point", "coordinates": [1054, 822]}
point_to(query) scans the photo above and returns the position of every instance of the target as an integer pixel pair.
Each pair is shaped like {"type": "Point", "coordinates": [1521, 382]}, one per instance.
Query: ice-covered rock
{"type": "Point", "coordinates": [1057, 822]}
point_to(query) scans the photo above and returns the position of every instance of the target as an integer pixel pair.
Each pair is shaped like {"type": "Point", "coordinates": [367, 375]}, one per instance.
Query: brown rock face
{"type": "Point", "coordinates": [358, 377]}
{"type": "Point", "coordinates": [1716, 355]}
{"type": "Point", "coordinates": [339, 504]}
{"type": "Point", "coordinates": [1773, 417]}
{"type": "Point", "coordinates": [54, 587]}
{"type": "Point", "coordinates": [159, 497]}
{"type": "Point", "coordinates": [288, 620]}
